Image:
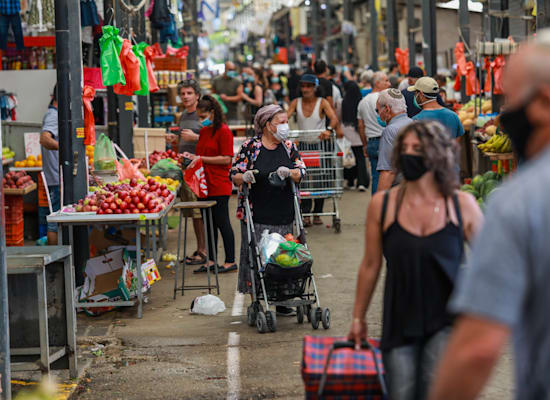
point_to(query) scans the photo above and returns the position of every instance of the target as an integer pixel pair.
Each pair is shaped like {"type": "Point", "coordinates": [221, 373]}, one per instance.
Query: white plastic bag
{"type": "Point", "coordinates": [345, 146]}
{"type": "Point", "coordinates": [207, 305]}
{"type": "Point", "coordinates": [269, 243]}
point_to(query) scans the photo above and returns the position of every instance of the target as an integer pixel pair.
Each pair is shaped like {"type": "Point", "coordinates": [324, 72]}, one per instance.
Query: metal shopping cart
{"type": "Point", "coordinates": [325, 172]}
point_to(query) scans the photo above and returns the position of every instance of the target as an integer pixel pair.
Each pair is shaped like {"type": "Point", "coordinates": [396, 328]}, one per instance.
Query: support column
{"type": "Point", "coordinates": [328, 31]}
{"type": "Point", "coordinates": [543, 14]}
{"type": "Point", "coordinates": [194, 61]}
{"type": "Point", "coordinates": [464, 22]}
{"type": "Point", "coordinates": [373, 34]}
{"type": "Point", "coordinates": [315, 28]}
{"type": "Point", "coordinates": [411, 35]}
{"type": "Point", "coordinates": [498, 27]}
{"type": "Point", "coordinates": [392, 29]}
{"type": "Point", "coordinates": [429, 42]}
{"type": "Point", "coordinates": [346, 38]}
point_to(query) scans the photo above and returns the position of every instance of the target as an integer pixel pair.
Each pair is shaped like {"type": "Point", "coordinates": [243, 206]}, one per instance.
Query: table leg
{"type": "Point", "coordinates": [154, 225]}
{"type": "Point", "coordinates": [43, 321]}
{"type": "Point", "coordinates": [71, 316]}
{"type": "Point", "coordinates": [214, 248]}
{"type": "Point", "coordinates": [178, 254]}
{"type": "Point", "coordinates": [184, 263]}
{"type": "Point", "coordinates": [204, 215]}
{"type": "Point", "coordinates": [147, 236]}
{"type": "Point", "coordinates": [59, 234]}
{"type": "Point", "coordinates": [138, 271]}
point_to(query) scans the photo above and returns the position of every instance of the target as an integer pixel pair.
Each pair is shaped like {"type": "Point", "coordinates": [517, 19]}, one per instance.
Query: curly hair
{"type": "Point", "coordinates": [439, 149]}
{"type": "Point", "coordinates": [208, 103]}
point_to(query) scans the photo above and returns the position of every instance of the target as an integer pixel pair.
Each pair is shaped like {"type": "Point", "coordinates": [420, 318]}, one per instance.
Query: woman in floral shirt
{"type": "Point", "coordinates": [272, 207]}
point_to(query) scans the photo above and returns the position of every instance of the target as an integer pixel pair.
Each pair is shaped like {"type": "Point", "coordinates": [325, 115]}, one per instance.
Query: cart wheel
{"type": "Point", "coordinates": [250, 316]}
{"type": "Point", "coordinates": [271, 321]}
{"type": "Point", "coordinates": [315, 318]}
{"type": "Point", "coordinates": [325, 318]}
{"type": "Point", "coordinates": [300, 314]}
{"type": "Point", "coordinates": [308, 312]}
{"type": "Point", "coordinates": [261, 322]}
{"type": "Point", "coordinates": [337, 226]}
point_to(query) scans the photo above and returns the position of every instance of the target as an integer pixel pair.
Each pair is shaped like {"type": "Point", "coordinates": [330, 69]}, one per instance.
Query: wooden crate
{"type": "Point", "coordinates": [170, 63]}
{"type": "Point", "coordinates": [156, 138]}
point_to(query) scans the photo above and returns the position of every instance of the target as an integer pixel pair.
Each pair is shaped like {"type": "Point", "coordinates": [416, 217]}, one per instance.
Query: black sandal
{"type": "Point", "coordinates": [203, 269]}
{"type": "Point", "coordinates": [196, 261]}
{"type": "Point", "coordinates": [222, 270]}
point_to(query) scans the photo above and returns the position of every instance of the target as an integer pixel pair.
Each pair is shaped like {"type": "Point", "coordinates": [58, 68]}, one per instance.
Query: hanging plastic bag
{"type": "Point", "coordinates": [402, 59]}
{"type": "Point", "coordinates": [219, 100]}
{"type": "Point", "coordinates": [148, 52]}
{"type": "Point", "coordinates": [131, 68]}
{"type": "Point", "coordinates": [129, 169]}
{"type": "Point", "coordinates": [498, 69]}
{"type": "Point", "coordinates": [104, 154]}
{"type": "Point", "coordinates": [472, 83]}
{"type": "Point", "coordinates": [345, 146]}
{"type": "Point", "coordinates": [111, 68]}
{"type": "Point", "coordinates": [196, 179]}
{"type": "Point", "coordinates": [291, 254]}
{"type": "Point", "coordinates": [88, 94]}
{"type": "Point", "coordinates": [143, 78]}
{"type": "Point", "coordinates": [207, 305]}
{"type": "Point", "coordinates": [269, 243]}
{"type": "Point", "coordinates": [167, 168]}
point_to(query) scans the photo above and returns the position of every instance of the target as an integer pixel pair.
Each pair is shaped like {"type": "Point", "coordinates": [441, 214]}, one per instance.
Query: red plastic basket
{"type": "Point", "coordinates": [42, 196]}
{"type": "Point", "coordinates": [14, 233]}
{"type": "Point", "coordinates": [13, 209]}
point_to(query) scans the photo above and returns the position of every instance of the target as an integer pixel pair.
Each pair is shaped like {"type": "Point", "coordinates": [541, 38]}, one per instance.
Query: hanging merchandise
{"type": "Point", "coordinates": [130, 66]}
{"type": "Point", "coordinates": [472, 83]}
{"type": "Point", "coordinates": [144, 80]}
{"type": "Point", "coordinates": [402, 58]}
{"type": "Point", "coordinates": [466, 69]}
{"type": "Point", "coordinates": [496, 67]}
{"type": "Point", "coordinates": [88, 13]}
{"type": "Point", "coordinates": [169, 32]}
{"type": "Point", "coordinates": [149, 55]}
{"type": "Point", "coordinates": [41, 17]}
{"type": "Point", "coordinates": [8, 102]}
{"type": "Point", "coordinates": [10, 13]}
{"type": "Point", "coordinates": [160, 16]}
{"type": "Point", "coordinates": [88, 94]}
{"type": "Point", "coordinates": [111, 45]}
{"type": "Point", "coordinates": [488, 80]}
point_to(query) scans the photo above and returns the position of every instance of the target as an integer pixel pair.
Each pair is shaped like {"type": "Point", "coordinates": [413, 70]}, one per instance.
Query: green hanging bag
{"type": "Point", "coordinates": [111, 69]}
{"type": "Point", "coordinates": [138, 51]}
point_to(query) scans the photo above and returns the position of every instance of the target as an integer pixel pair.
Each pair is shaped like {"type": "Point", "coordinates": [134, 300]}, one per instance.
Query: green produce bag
{"type": "Point", "coordinates": [111, 69]}
{"type": "Point", "coordinates": [222, 104]}
{"type": "Point", "coordinates": [167, 168]}
{"type": "Point", "coordinates": [291, 254]}
{"type": "Point", "coordinates": [138, 51]}
{"type": "Point", "coordinates": [104, 154]}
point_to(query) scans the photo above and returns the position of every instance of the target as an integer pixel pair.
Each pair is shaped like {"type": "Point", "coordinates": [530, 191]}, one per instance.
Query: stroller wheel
{"type": "Point", "coordinates": [261, 322]}
{"type": "Point", "coordinates": [315, 317]}
{"type": "Point", "coordinates": [325, 318]}
{"type": "Point", "coordinates": [307, 311]}
{"type": "Point", "coordinates": [300, 314]}
{"type": "Point", "coordinates": [271, 320]}
{"type": "Point", "coordinates": [250, 316]}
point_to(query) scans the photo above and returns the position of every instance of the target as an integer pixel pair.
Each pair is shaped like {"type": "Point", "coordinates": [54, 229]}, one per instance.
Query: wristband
{"type": "Point", "coordinates": [358, 320]}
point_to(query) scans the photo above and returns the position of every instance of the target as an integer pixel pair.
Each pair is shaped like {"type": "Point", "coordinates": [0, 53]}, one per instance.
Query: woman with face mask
{"type": "Point", "coordinates": [253, 94]}
{"type": "Point", "coordinates": [419, 227]}
{"type": "Point", "coordinates": [215, 149]}
{"type": "Point", "coordinates": [272, 206]}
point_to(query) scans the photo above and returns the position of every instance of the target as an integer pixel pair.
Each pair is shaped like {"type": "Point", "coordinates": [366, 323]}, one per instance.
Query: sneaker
{"type": "Point", "coordinates": [362, 188]}
{"type": "Point", "coordinates": [285, 311]}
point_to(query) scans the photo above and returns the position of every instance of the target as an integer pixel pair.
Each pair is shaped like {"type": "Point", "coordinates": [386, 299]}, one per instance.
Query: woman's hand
{"type": "Point", "coordinates": [195, 159]}
{"type": "Point", "coordinates": [248, 176]}
{"type": "Point", "coordinates": [188, 135]}
{"type": "Point", "coordinates": [358, 332]}
{"type": "Point", "coordinates": [190, 155]}
{"type": "Point", "coordinates": [283, 172]}
{"type": "Point", "coordinates": [171, 138]}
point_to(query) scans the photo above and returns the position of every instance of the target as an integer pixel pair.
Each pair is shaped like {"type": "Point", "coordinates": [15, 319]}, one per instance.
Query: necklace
{"type": "Point", "coordinates": [435, 210]}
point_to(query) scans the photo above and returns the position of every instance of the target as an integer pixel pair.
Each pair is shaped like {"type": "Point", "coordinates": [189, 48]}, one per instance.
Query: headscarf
{"type": "Point", "coordinates": [263, 115]}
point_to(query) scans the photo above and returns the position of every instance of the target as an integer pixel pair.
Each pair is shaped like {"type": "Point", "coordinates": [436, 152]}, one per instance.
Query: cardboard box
{"type": "Point", "coordinates": [105, 275]}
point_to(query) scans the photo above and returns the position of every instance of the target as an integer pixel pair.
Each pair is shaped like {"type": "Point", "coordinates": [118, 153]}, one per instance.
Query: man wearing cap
{"type": "Point", "coordinates": [415, 73]}
{"type": "Point", "coordinates": [311, 112]}
{"type": "Point", "coordinates": [392, 110]}
{"type": "Point", "coordinates": [425, 92]}
{"type": "Point", "coordinates": [230, 90]}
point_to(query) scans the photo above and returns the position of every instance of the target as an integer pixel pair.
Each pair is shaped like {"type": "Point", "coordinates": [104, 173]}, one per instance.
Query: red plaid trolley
{"type": "Point", "coordinates": [333, 369]}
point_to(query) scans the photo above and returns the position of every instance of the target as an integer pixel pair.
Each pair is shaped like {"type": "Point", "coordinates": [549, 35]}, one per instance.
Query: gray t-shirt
{"type": "Point", "coordinates": [189, 121]}
{"type": "Point", "coordinates": [50, 158]}
{"type": "Point", "coordinates": [507, 279]}
{"type": "Point", "coordinates": [386, 141]}
{"type": "Point", "coordinates": [228, 86]}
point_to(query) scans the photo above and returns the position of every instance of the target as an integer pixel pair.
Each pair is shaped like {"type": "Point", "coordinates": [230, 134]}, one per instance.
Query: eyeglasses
{"type": "Point", "coordinates": [188, 83]}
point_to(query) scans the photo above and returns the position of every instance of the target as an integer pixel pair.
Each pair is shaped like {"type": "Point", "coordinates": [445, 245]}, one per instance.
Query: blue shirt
{"type": "Point", "coordinates": [50, 158]}
{"type": "Point", "coordinates": [389, 134]}
{"type": "Point", "coordinates": [10, 7]}
{"type": "Point", "coordinates": [364, 92]}
{"type": "Point", "coordinates": [446, 117]}
{"type": "Point", "coordinates": [508, 274]}
{"type": "Point", "coordinates": [412, 110]}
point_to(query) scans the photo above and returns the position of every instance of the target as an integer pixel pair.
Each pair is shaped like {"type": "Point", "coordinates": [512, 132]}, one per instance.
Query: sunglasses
{"type": "Point", "coordinates": [188, 82]}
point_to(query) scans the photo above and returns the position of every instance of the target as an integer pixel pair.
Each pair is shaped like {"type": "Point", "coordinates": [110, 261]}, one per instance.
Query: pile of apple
{"type": "Point", "coordinates": [16, 180]}
{"type": "Point", "coordinates": [156, 156]}
{"type": "Point", "coordinates": [127, 198]}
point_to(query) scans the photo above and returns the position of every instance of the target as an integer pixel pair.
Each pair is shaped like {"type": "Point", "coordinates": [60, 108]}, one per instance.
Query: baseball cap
{"type": "Point", "coordinates": [415, 72]}
{"type": "Point", "coordinates": [425, 85]}
{"type": "Point", "coordinates": [309, 78]}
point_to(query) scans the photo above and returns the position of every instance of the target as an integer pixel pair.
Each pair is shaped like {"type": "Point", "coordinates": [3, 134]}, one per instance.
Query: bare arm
{"type": "Point", "coordinates": [472, 352]}
{"type": "Point", "coordinates": [233, 99]}
{"type": "Point", "coordinates": [334, 123]}
{"type": "Point", "coordinates": [385, 180]}
{"type": "Point", "coordinates": [237, 179]}
{"type": "Point", "coordinates": [472, 216]}
{"type": "Point", "coordinates": [216, 160]}
{"type": "Point", "coordinates": [48, 142]}
{"type": "Point", "coordinates": [258, 97]}
{"type": "Point", "coordinates": [361, 127]}
{"type": "Point", "coordinates": [292, 108]}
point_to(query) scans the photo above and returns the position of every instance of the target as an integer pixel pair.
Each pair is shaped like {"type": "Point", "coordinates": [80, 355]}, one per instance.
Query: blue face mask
{"type": "Point", "coordinates": [232, 74]}
{"type": "Point", "coordinates": [247, 90]}
{"type": "Point", "coordinates": [416, 102]}
{"type": "Point", "coordinates": [206, 122]}
{"type": "Point", "coordinates": [380, 122]}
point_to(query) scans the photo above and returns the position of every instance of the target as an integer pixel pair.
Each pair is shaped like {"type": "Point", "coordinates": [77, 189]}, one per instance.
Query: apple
{"type": "Point", "coordinates": [113, 206]}
{"type": "Point", "coordinates": [135, 200]}
{"type": "Point", "coordinates": [131, 206]}
{"type": "Point", "coordinates": [135, 211]}
{"type": "Point", "coordinates": [159, 192]}
{"type": "Point", "coordinates": [123, 205]}
{"type": "Point", "coordinates": [165, 193]}
{"type": "Point", "coordinates": [146, 187]}
{"type": "Point", "coordinates": [133, 182]}
{"type": "Point", "coordinates": [94, 208]}
{"type": "Point", "coordinates": [126, 211]}
{"type": "Point", "coordinates": [140, 206]}
{"type": "Point", "coordinates": [101, 211]}
{"type": "Point", "coordinates": [118, 211]}
{"type": "Point", "coordinates": [104, 205]}
{"type": "Point", "coordinates": [151, 181]}
{"type": "Point", "coordinates": [108, 211]}
{"type": "Point", "coordinates": [162, 187]}
{"type": "Point", "coordinates": [127, 199]}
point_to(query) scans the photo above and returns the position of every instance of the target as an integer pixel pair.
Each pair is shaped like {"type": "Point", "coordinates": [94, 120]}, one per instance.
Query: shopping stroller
{"type": "Point", "coordinates": [280, 286]}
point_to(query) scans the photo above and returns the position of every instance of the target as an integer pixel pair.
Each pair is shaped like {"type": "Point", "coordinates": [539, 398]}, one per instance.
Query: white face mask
{"type": "Point", "coordinates": [281, 134]}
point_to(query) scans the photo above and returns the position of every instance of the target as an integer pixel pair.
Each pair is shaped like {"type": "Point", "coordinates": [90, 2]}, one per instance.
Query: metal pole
{"type": "Point", "coordinates": [328, 29]}
{"type": "Point", "coordinates": [429, 43]}
{"type": "Point", "coordinates": [143, 101]}
{"type": "Point", "coordinates": [112, 101]}
{"type": "Point", "coordinates": [345, 37]}
{"type": "Point", "coordinates": [5, 382]}
{"type": "Point", "coordinates": [543, 14]}
{"type": "Point", "coordinates": [315, 28]}
{"type": "Point", "coordinates": [464, 24]}
{"type": "Point", "coordinates": [392, 29]}
{"type": "Point", "coordinates": [289, 46]}
{"type": "Point", "coordinates": [374, 35]}
{"type": "Point", "coordinates": [195, 38]}
{"type": "Point", "coordinates": [411, 35]}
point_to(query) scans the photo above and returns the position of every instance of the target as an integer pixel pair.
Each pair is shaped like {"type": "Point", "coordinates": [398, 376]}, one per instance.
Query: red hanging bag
{"type": "Point", "coordinates": [130, 66]}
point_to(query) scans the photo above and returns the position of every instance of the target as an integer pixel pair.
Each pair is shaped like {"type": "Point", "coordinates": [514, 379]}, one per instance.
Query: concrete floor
{"type": "Point", "coordinates": [172, 354]}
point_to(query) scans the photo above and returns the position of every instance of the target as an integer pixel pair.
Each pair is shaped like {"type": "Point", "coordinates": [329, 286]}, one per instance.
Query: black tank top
{"type": "Point", "coordinates": [421, 271]}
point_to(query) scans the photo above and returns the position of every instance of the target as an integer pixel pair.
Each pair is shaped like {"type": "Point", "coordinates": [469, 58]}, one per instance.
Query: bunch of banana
{"type": "Point", "coordinates": [497, 144]}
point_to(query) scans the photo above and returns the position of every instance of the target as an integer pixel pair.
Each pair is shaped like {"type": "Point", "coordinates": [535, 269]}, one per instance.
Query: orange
{"type": "Point", "coordinates": [39, 158]}
{"type": "Point", "coordinates": [24, 164]}
{"type": "Point", "coordinates": [31, 158]}
{"type": "Point", "coordinates": [31, 164]}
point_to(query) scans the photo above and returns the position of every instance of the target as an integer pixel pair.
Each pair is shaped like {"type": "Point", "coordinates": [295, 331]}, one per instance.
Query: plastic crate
{"type": "Point", "coordinates": [42, 196]}
{"type": "Point", "coordinates": [13, 209]}
{"type": "Point", "coordinates": [14, 233]}
{"type": "Point", "coordinates": [20, 243]}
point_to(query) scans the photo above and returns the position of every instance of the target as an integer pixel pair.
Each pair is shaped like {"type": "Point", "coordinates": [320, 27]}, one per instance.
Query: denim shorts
{"type": "Point", "coordinates": [56, 203]}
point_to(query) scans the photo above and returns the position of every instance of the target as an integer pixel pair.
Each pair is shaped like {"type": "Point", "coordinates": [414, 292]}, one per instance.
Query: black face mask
{"type": "Point", "coordinates": [518, 127]}
{"type": "Point", "coordinates": [412, 166]}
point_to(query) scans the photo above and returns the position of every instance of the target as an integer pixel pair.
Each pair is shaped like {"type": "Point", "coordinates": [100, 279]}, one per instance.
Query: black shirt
{"type": "Point", "coordinates": [412, 110]}
{"type": "Point", "coordinates": [272, 205]}
{"type": "Point", "coordinates": [325, 88]}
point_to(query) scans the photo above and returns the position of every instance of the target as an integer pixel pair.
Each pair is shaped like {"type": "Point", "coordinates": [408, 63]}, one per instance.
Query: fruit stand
{"type": "Point", "coordinates": [16, 185]}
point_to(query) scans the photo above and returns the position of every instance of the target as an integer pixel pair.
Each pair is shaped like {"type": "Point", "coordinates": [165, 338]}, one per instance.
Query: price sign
{"type": "Point", "coordinates": [32, 144]}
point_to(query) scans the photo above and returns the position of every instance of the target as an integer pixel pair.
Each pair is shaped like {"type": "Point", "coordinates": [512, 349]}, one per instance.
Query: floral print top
{"type": "Point", "coordinates": [247, 156]}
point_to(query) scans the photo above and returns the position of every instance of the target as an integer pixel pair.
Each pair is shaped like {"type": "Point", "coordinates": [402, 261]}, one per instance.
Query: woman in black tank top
{"type": "Point", "coordinates": [419, 227]}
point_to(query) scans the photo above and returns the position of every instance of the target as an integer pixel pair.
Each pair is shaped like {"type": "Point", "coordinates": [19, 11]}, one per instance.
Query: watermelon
{"type": "Point", "coordinates": [488, 187]}
{"type": "Point", "coordinates": [477, 182]}
{"type": "Point", "coordinates": [490, 175]}
{"type": "Point", "coordinates": [466, 188]}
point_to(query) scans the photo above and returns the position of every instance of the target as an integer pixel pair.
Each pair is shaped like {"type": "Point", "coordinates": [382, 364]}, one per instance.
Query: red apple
{"type": "Point", "coordinates": [135, 199]}
{"type": "Point", "coordinates": [140, 206]}
{"type": "Point", "coordinates": [113, 206]}
{"type": "Point", "coordinates": [123, 205]}
{"type": "Point", "coordinates": [133, 182]}
{"type": "Point", "coordinates": [131, 206]}
{"type": "Point", "coordinates": [162, 186]}
{"type": "Point", "coordinates": [108, 211]}
{"type": "Point", "coordinates": [101, 211]}
{"type": "Point", "coordinates": [135, 211]}
{"type": "Point", "coordinates": [126, 211]}
{"type": "Point", "coordinates": [104, 205]}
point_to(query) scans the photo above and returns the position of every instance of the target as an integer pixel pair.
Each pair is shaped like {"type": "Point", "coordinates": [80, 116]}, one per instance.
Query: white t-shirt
{"type": "Point", "coordinates": [404, 84]}
{"type": "Point", "coordinates": [366, 111]}
{"type": "Point", "coordinates": [336, 95]}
